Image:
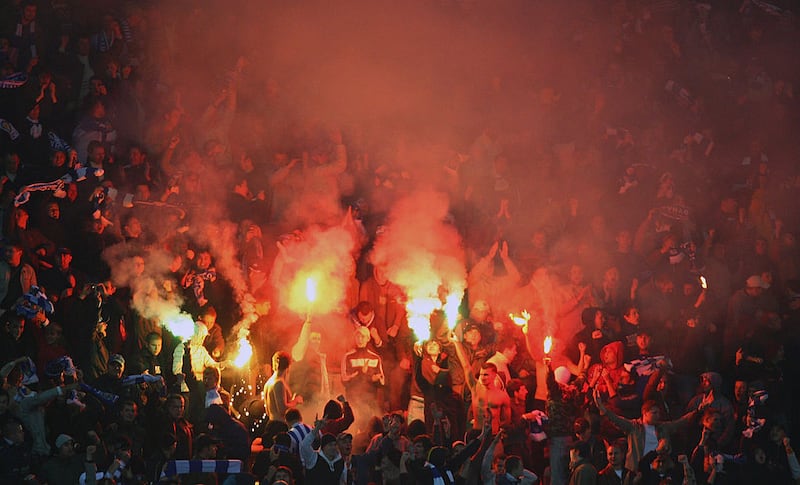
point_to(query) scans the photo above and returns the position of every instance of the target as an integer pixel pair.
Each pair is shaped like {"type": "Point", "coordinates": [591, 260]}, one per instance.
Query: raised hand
{"type": "Point", "coordinates": [493, 249]}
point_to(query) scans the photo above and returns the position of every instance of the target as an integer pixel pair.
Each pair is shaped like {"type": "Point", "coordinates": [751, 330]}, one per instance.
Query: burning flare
{"type": "Point", "coordinates": [548, 344]}
{"type": "Point", "coordinates": [520, 320]}
{"type": "Point", "coordinates": [244, 354]}
{"type": "Point", "coordinates": [180, 325]}
{"type": "Point", "coordinates": [311, 290]}
{"type": "Point", "coordinates": [419, 316]}
{"type": "Point", "coordinates": [703, 282]}
{"type": "Point", "coordinates": [451, 305]}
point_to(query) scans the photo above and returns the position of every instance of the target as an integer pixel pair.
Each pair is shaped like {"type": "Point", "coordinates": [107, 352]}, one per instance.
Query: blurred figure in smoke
{"type": "Point", "coordinates": [214, 341]}
{"type": "Point", "coordinates": [480, 317]}
{"type": "Point", "coordinates": [574, 297]}
{"type": "Point", "coordinates": [251, 245]}
{"type": "Point", "coordinates": [491, 279]}
{"type": "Point", "coordinates": [362, 370]}
{"type": "Point", "coordinates": [386, 299]}
{"type": "Point", "coordinates": [363, 316]}
{"type": "Point", "coordinates": [309, 377]}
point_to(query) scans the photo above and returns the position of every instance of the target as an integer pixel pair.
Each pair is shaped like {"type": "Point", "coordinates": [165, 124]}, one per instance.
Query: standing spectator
{"type": "Point", "coordinates": [297, 430]}
{"type": "Point", "coordinates": [326, 465]}
{"type": "Point", "coordinates": [362, 369]}
{"type": "Point", "coordinates": [582, 472]}
{"type": "Point", "coordinates": [615, 472]}
{"type": "Point", "coordinates": [66, 465]}
{"type": "Point", "coordinates": [643, 434]}
{"type": "Point", "coordinates": [277, 395]}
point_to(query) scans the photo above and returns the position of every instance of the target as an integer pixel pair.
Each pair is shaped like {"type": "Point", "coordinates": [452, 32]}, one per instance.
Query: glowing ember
{"type": "Point", "coordinates": [311, 290]}
{"type": "Point", "coordinates": [520, 320]}
{"type": "Point", "coordinates": [548, 344]}
{"type": "Point", "coordinates": [180, 325]}
{"type": "Point", "coordinates": [245, 352]}
{"type": "Point", "coordinates": [703, 282]}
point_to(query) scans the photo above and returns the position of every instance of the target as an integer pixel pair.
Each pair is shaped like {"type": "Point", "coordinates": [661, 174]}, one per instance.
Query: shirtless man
{"type": "Point", "coordinates": [487, 395]}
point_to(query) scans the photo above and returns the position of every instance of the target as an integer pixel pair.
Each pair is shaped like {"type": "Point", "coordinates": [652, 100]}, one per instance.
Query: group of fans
{"type": "Point", "coordinates": [639, 206]}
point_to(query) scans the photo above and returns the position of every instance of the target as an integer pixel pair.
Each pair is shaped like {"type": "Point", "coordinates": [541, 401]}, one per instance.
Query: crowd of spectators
{"type": "Point", "coordinates": [638, 204]}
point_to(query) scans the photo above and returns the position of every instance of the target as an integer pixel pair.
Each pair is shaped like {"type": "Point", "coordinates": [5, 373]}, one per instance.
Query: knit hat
{"type": "Point", "coordinates": [562, 375]}
{"type": "Point", "coordinates": [63, 439]}
{"type": "Point", "coordinates": [118, 359]}
{"type": "Point", "coordinates": [326, 439]}
{"type": "Point", "coordinates": [437, 456]}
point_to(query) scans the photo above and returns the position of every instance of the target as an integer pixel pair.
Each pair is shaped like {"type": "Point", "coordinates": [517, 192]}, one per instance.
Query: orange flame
{"type": "Point", "coordinates": [548, 344]}
{"type": "Point", "coordinates": [703, 282]}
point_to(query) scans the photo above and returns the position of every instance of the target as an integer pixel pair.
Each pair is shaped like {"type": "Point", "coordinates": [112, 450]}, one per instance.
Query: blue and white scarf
{"type": "Point", "coordinates": [438, 478]}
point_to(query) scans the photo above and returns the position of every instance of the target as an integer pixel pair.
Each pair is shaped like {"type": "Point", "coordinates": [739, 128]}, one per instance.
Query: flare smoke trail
{"type": "Point", "coordinates": [420, 251]}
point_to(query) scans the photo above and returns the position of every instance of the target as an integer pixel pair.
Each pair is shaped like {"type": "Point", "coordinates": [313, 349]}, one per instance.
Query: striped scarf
{"type": "Point", "coordinates": [14, 80]}
{"type": "Point", "coordinates": [297, 433]}
{"type": "Point", "coordinates": [182, 467]}
{"type": "Point", "coordinates": [438, 478]}
{"type": "Point", "coordinates": [9, 129]}
{"type": "Point", "coordinates": [74, 175]}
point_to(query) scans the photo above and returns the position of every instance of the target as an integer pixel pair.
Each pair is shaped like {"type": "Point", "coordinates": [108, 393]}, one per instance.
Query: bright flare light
{"type": "Point", "coordinates": [703, 282]}
{"type": "Point", "coordinates": [451, 308]}
{"type": "Point", "coordinates": [419, 316]}
{"type": "Point", "coordinates": [311, 290]}
{"type": "Point", "coordinates": [548, 344]}
{"type": "Point", "coordinates": [245, 352]}
{"type": "Point", "coordinates": [180, 325]}
{"type": "Point", "coordinates": [521, 320]}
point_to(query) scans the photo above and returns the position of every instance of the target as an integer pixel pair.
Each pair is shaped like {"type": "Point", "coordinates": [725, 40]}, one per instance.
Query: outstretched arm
{"type": "Point", "coordinates": [300, 347]}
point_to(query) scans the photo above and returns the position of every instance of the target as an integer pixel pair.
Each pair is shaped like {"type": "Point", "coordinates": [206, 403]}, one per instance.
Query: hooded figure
{"type": "Point", "coordinates": [232, 433]}
{"type": "Point", "coordinates": [594, 334]}
{"type": "Point", "coordinates": [606, 374]}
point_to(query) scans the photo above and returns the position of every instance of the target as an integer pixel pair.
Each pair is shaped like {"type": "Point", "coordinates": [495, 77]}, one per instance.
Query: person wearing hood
{"type": "Point", "coordinates": [324, 466]}
{"type": "Point", "coordinates": [711, 393]}
{"type": "Point", "coordinates": [230, 432]}
{"type": "Point", "coordinates": [198, 355]}
{"type": "Point", "coordinates": [595, 333]}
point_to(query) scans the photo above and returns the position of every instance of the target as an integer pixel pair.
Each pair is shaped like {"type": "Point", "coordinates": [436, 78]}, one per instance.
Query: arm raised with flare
{"type": "Point", "coordinates": [300, 347]}
{"type": "Point", "coordinates": [463, 360]}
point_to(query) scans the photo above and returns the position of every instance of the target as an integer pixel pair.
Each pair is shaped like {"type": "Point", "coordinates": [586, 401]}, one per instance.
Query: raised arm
{"type": "Point", "coordinates": [486, 464]}
{"type": "Point", "coordinates": [464, 361]}
{"type": "Point", "coordinates": [300, 347]}
{"type": "Point", "coordinates": [625, 425]}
